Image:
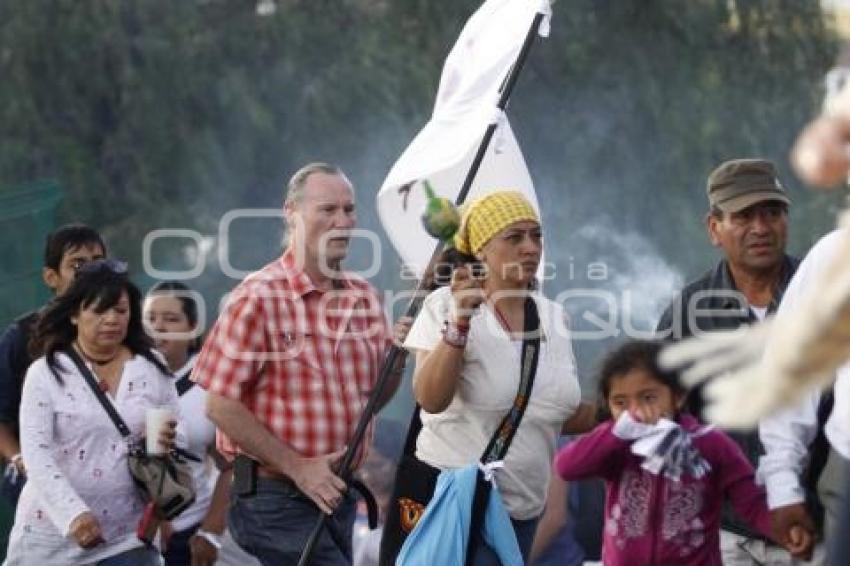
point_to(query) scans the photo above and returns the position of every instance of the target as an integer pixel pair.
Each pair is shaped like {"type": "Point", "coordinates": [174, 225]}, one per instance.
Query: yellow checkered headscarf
{"type": "Point", "coordinates": [484, 217]}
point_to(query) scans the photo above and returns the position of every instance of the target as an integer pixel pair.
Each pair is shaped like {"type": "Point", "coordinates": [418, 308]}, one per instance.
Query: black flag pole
{"type": "Point", "coordinates": [345, 468]}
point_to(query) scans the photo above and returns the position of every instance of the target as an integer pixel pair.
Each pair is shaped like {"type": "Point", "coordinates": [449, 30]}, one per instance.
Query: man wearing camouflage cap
{"type": "Point", "coordinates": [748, 221]}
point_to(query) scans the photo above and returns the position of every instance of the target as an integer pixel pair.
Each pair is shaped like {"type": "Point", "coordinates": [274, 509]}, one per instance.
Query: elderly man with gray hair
{"type": "Point", "coordinates": [288, 367]}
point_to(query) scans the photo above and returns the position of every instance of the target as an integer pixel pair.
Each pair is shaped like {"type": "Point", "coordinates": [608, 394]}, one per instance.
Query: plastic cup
{"type": "Point", "coordinates": [156, 419]}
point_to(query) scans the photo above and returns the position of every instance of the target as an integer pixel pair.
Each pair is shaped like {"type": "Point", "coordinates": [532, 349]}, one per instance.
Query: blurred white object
{"type": "Point", "coordinates": [156, 420]}
{"type": "Point", "coordinates": [821, 155]}
{"type": "Point", "coordinates": [759, 369]}
{"type": "Point", "coordinates": [837, 98]}
{"type": "Point", "coordinates": [266, 7]}
{"type": "Point", "coordinates": [231, 554]}
{"type": "Point", "coordinates": [366, 544]}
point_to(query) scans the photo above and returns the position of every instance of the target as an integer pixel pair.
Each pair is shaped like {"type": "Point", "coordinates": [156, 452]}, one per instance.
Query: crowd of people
{"type": "Point", "coordinates": [267, 402]}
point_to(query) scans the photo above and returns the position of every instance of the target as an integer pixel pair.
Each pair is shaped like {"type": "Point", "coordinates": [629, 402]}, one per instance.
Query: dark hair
{"type": "Point", "coordinates": [180, 291]}
{"type": "Point", "coordinates": [66, 238]}
{"type": "Point", "coordinates": [636, 354]}
{"type": "Point", "coordinates": [719, 214]}
{"type": "Point", "coordinates": [98, 284]}
{"type": "Point", "coordinates": [440, 273]}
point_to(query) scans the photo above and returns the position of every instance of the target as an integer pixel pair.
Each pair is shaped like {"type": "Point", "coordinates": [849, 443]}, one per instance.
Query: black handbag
{"type": "Point", "coordinates": [415, 480]}
{"type": "Point", "coordinates": [165, 481]}
{"type": "Point", "coordinates": [412, 491]}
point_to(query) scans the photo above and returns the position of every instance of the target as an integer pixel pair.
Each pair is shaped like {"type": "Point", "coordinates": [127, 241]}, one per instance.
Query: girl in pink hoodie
{"type": "Point", "coordinates": [665, 474]}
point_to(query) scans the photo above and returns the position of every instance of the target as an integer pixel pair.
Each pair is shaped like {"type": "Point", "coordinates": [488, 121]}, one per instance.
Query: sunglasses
{"type": "Point", "coordinates": [115, 266]}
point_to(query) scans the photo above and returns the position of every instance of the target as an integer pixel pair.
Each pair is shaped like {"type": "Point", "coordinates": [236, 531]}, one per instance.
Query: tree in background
{"type": "Point", "coordinates": [168, 114]}
{"type": "Point", "coordinates": [644, 98]}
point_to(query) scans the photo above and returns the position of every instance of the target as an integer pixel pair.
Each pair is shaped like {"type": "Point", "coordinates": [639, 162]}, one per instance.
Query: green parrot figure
{"type": "Point", "coordinates": [441, 217]}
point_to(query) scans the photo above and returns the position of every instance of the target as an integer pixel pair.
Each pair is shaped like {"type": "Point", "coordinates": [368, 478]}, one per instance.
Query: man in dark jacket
{"type": "Point", "coordinates": [67, 249]}
{"type": "Point", "coordinates": [748, 221]}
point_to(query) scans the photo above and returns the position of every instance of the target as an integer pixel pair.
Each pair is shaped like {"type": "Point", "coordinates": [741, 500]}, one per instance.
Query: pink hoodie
{"type": "Point", "coordinates": [651, 519]}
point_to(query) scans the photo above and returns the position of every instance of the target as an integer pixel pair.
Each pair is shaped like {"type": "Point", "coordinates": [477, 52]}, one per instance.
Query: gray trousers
{"type": "Point", "coordinates": [833, 492]}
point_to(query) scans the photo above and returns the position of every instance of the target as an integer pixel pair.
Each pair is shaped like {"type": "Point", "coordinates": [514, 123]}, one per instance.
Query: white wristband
{"type": "Point", "coordinates": [211, 538]}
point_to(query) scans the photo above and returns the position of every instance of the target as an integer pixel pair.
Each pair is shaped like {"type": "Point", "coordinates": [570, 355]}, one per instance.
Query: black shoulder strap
{"type": "Point", "coordinates": [504, 434]}
{"type": "Point", "coordinates": [184, 383]}
{"type": "Point", "coordinates": [501, 440]}
{"type": "Point", "coordinates": [413, 432]}
{"type": "Point", "coordinates": [819, 448]}
{"type": "Point", "coordinates": [98, 392]}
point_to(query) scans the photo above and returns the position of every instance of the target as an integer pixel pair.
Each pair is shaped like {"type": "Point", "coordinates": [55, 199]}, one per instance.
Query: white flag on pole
{"type": "Point", "coordinates": [466, 104]}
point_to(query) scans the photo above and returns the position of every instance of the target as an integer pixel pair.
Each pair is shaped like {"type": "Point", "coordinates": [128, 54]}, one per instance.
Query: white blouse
{"type": "Point", "coordinates": [486, 391]}
{"type": "Point", "coordinates": [76, 459]}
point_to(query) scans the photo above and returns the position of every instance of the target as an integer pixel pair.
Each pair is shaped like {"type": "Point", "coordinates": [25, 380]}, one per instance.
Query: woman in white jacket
{"type": "Point", "coordinates": [80, 504]}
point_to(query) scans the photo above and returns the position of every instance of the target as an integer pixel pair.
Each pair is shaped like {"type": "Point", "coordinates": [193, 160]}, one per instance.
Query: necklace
{"type": "Point", "coordinates": [99, 362]}
{"type": "Point", "coordinates": [101, 383]}
{"type": "Point", "coordinates": [501, 317]}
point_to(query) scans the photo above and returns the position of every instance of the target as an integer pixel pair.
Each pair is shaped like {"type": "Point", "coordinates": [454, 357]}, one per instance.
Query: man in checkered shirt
{"type": "Point", "coordinates": [288, 368]}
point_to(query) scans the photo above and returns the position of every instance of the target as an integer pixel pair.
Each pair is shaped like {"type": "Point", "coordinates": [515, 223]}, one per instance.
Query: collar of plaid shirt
{"type": "Point", "coordinates": [301, 284]}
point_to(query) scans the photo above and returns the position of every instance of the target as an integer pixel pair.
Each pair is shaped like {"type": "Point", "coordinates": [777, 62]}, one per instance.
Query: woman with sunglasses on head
{"type": "Point", "coordinates": [80, 504]}
{"type": "Point", "coordinates": [194, 537]}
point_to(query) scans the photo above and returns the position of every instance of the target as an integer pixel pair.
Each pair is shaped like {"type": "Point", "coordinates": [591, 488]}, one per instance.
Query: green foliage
{"type": "Point", "coordinates": [643, 98]}
{"type": "Point", "coordinates": [159, 114]}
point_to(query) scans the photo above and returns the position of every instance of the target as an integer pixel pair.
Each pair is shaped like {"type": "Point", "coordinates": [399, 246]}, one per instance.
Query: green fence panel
{"type": "Point", "coordinates": [27, 215]}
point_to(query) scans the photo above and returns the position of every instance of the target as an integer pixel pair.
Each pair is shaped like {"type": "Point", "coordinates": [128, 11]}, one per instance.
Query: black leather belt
{"type": "Point", "coordinates": [260, 471]}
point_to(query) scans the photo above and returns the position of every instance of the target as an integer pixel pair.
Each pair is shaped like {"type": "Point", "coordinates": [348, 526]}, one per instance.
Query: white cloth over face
{"type": "Point", "coordinates": [76, 459]}
{"type": "Point", "coordinates": [664, 446]}
{"type": "Point", "coordinates": [456, 437]}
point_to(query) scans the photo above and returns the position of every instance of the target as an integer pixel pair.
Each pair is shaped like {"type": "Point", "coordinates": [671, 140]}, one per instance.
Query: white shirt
{"type": "Point", "coordinates": [486, 391]}
{"type": "Point", "coordinates": [759, 312]}
{"type": "Point", "coordinates": [786, 435]}
{"type": "Point", "coordinates": [77, 460]}
{"type": "Point", "coordinates": [200, 435]}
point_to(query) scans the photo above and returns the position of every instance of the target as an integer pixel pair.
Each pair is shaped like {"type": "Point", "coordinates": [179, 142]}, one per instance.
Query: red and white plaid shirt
{"type": "Point", "coordinates": [301, 359]}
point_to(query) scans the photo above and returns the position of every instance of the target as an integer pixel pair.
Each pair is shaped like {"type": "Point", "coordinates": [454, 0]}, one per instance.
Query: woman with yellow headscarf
{"type": "Point", "coordinates": [468, 340]}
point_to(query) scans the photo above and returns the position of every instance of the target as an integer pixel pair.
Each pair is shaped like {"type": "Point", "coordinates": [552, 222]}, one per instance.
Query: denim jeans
{"type": "Point", "coordinates": [140, 556]}
{"type": "Point", "coordinates": [484, 555]}
{"type": "Point", "coordinates": [275, 523]}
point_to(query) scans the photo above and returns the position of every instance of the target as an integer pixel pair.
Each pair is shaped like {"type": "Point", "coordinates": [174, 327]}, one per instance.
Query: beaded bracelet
{"type": "Point", "coordinates": [455, 334]}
